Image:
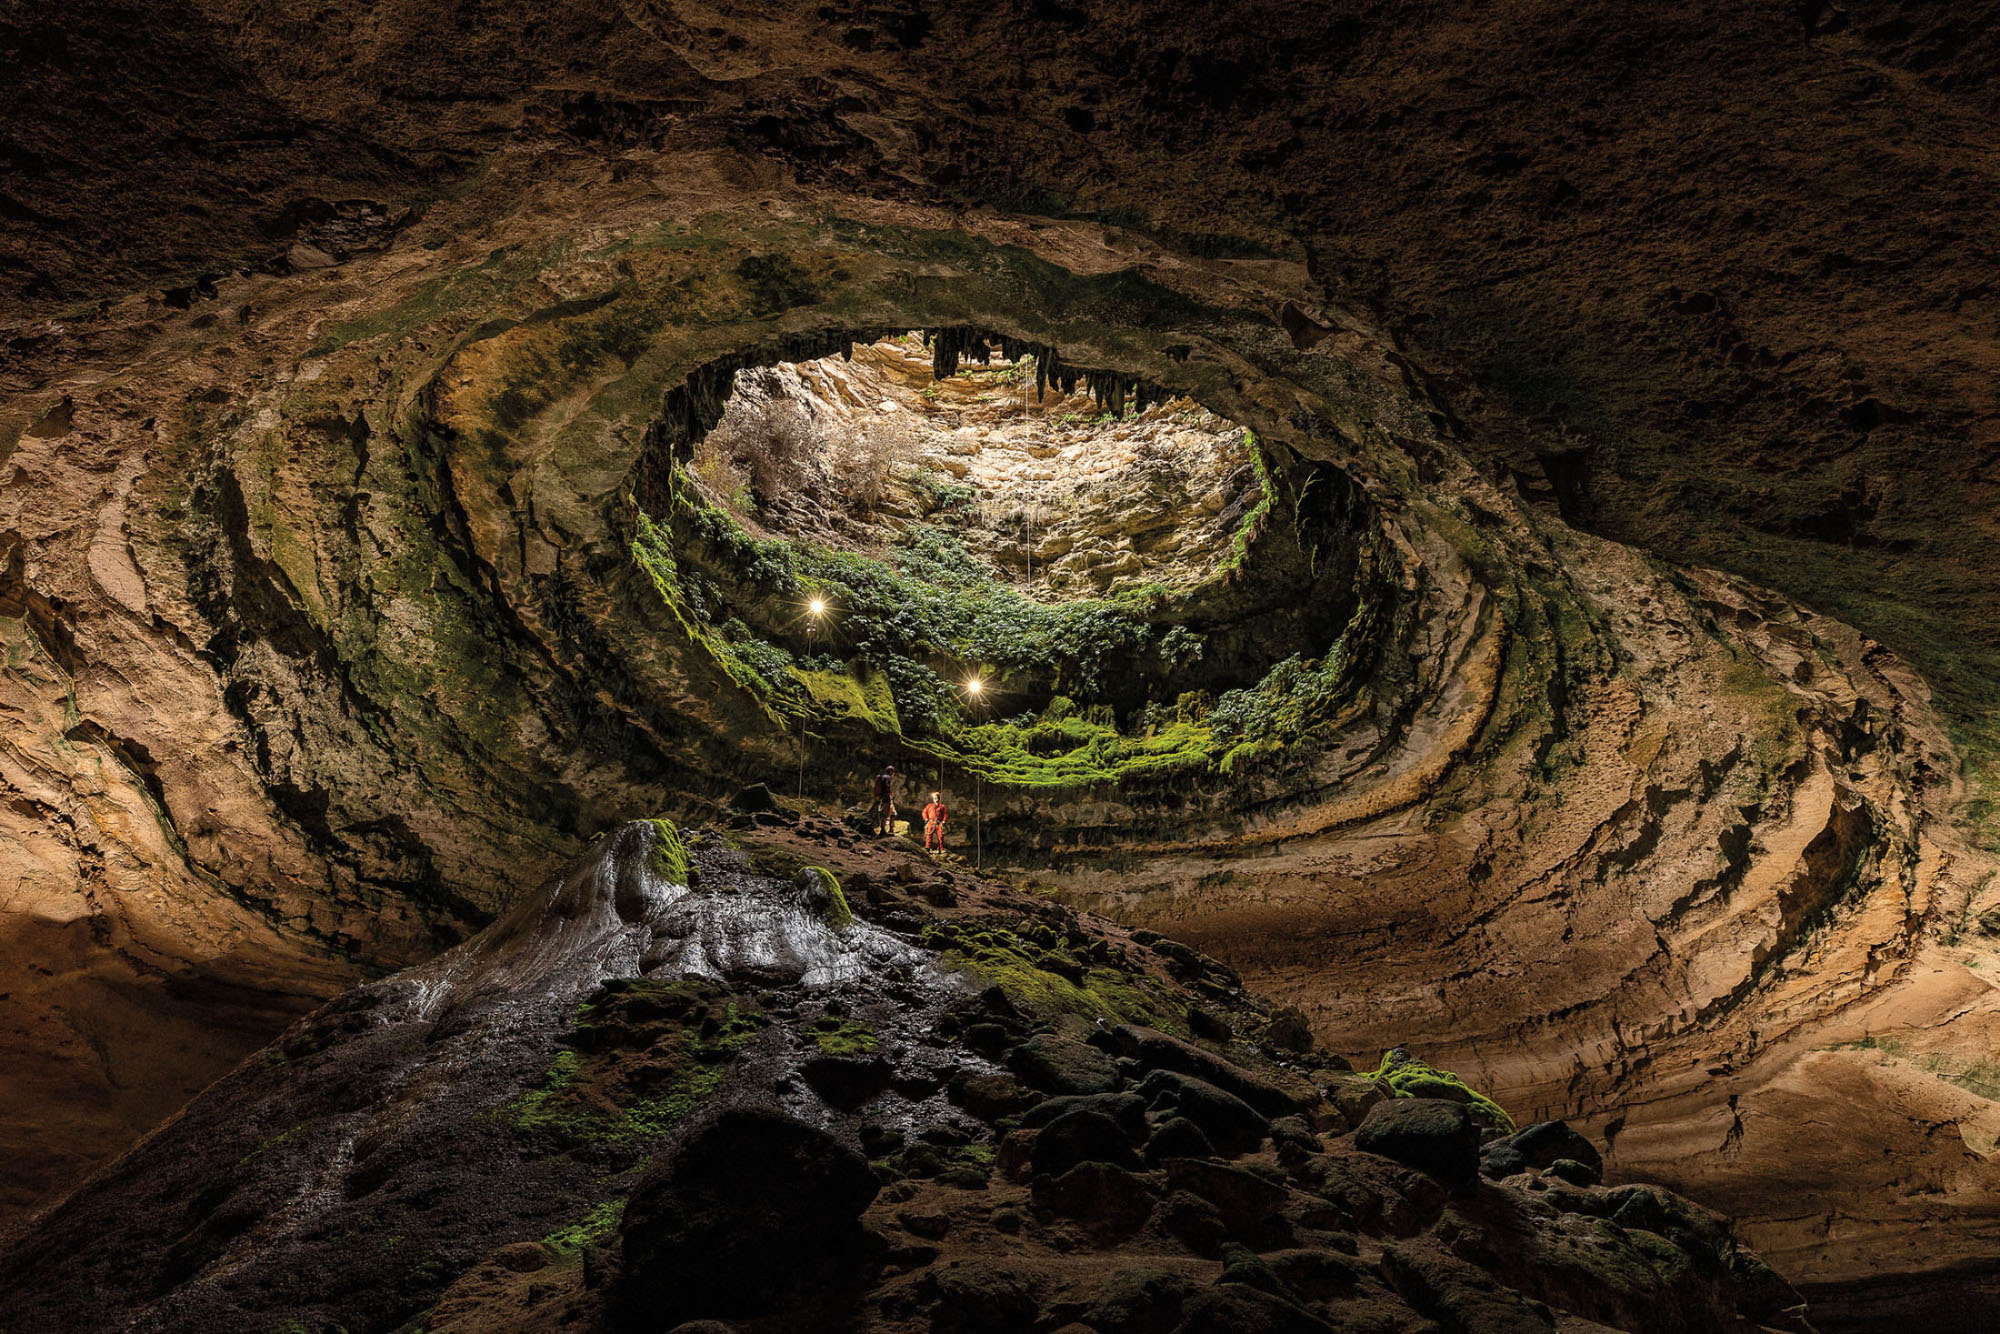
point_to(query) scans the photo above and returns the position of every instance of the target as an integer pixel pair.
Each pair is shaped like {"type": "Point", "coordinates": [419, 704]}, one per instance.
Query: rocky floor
{"type": "Point", "coordinates": [748, 1090]}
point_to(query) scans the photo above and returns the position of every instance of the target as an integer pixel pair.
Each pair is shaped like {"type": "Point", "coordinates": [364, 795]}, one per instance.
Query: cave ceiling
{"type": "Point", "coordinates": [1597, 695]}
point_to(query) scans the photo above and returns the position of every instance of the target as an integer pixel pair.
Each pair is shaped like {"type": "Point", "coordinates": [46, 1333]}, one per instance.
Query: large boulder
{"type": "Point", "coordinates": [1434, 1135]}
{"type": "Point", "coordinates": [753, 1212]}
{"type": "Point", "coordinates": [1231, 1124]}
{"type": "Point", "coordinates": [1081, 1136]}
{"type": "Point", "coordinates": [1058, 1065]}
{"type": "Point", "coordinates": [1540, 1145]}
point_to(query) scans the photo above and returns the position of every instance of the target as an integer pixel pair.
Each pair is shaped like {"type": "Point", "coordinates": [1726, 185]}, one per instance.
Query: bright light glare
{"type": "Point", "coordinates": [974, 685]}
{"type": "Point", "coordinates": [818, 607]}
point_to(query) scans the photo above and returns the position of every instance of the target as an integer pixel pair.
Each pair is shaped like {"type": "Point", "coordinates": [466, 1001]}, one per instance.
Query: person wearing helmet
{"type": "Point", "coordinates": [935, 816]}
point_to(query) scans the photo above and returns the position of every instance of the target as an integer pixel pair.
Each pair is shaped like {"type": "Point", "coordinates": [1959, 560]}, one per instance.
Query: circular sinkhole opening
{"type": "Point", "coordinates": [1052, 577]}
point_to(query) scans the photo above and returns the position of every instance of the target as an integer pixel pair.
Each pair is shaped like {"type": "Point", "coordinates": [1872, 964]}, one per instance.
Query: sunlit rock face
{"type": "Point", "coordinates": [1060, 500]}
{"type": "Point", "coordinates": [1637, 752]}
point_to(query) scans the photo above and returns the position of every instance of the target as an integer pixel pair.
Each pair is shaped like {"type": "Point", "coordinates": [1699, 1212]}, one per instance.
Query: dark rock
{"type": "Point", "coordinates": [1460, 1297]}
{"type": "Point", "coordinates": [937, 894]}
{"type": "Point", "coordinates": [1430, 1134]}
{"type": "Point", "coordinates": [1157, 1051]}
{"type": "Point", "coordinates": [1177, 1137]}
{"type": "Point", "coordinates": [1234, 1308]}
{"type": "Point", "coordinates": [1500, 1160]}
{"type": "Point", "coordinates": [1141, 1300]}
{"type": "Point", "coordinates": [846, 1081]}
{"type": "Point", "coordinates": [1574, 1172]}
{"type": "Point", "coordinates": [1231, 1124]}
{"type": "Point", "coordinates": [1315, 1275]}
{"type": "Point", "coordinates": [1539, 1145]}
{"type": "Point", "coordinates": [1292, 1132]}
{"type": "Point", "coordinates": [1208, 1025]}
{"type": "Point", "coordinates": [1109, 1202]}
{"type": "Point", "coordinates": [981, 1297]}
{"type": "Point", "coordinates": [1058, 1065]}
{"type": "Point", "coordinates": [1249, 1205]}
{"type": "Point", "coordinates": [1377, 1193]}
{"type": "Point", "coordinates": [928, 1224]}
{"type": "Point", "coordinates": [1242, 1265]}
{"type": "Point", "coordinates": [1015, 1156]}
{"type": "Point", "coordinates": [1192, 1221]}
{"type": "Point", "coordinates": [1127, 1109]}
{"type": "Point", "coordinates": [988, 1039]}
{"type": "Point", "coordinates": [750, 1213]}
{"type": "Point", "coordinates": [1081, 1136]}
{"type": "Point", "coordinates": [1761, 1294]}
{"type": "Point", "coordinates": [990, 1097]}
{"type": "Point", "coordinates": [1289, 1030]}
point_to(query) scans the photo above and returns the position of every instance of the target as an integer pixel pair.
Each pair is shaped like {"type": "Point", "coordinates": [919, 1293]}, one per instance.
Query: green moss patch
{"type": "Point", "coordinates": [1410, 1078]}
{"type": "Point", "coordinates": [838, 1036]}
{"type": "Point", "coordinates": [838, 912]}
{"type": "Point", "coordinates": [668, 858]}
{"type": "Point", "coordinates": [593, 1229]}
{"type": "Point", "coordinates": [645, 1056]}
{"type": "Point", "coordinates": [1055, 975]}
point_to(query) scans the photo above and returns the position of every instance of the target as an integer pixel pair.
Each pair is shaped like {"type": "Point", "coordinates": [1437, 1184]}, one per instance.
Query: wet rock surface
{"type": "Point", "coordinates": [602, 1114]}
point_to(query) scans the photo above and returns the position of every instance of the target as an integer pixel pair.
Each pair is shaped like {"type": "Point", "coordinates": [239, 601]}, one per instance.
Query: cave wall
{"type": "Point", "coordinates": [333, 345]}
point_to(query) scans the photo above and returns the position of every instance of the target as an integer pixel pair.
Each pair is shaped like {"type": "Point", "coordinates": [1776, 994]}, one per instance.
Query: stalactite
{"type": "Point", "coordinates": [1110, 389]}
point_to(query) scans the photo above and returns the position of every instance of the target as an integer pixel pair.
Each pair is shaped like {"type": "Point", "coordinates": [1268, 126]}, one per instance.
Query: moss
{"type": "Point", "coordinates": [535, 1109]}
{"type": "Point", "coordinates": [838, 912]}
{"type": "Point", "coordinates": [932, 608]}
{"type": "Point", "coordinates": [843, 1037]}
{"type": "Point", "coordinates": [651, 1055]}
{"type": "Point", "coordinates": [1052, 980]}
{"type": "Point", "coordinates": [668, 858]}
{"type": "Point", "coordinates": [1404, 1077]}
{"type": "Point", "coordinates": [593, 1229]}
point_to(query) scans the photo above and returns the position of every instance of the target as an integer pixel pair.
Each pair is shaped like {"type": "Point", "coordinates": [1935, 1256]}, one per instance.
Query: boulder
{"type": "Point", "coordinates": [1177, 1137]}
{"type": "Point", "coordinates": [1141, 1300]}
{"type": "Point", "coordinates": [1127, 1109]}
{"type": "Point", "coordinates": [1081, 1136]}
{"type": "Point", "coordinates": [752, 1212]}
{"type": "Point", "coordinates": [846, 1081]}
{"type": "Point", "coordinates": [1109, 1202]}
{"type": "Point", "coordinates": [1231, 1124]}
{"type": "Point", "coordinates": [1237, 1308]}
{"type": "Point", "coordinates": [1541, 1144]}
{"type": "Point", "coordinates": [990, 1097]}
{"type": "Point", "coordinates": [1433, 1135]}
{"type": "Point", "coordinates": [1058, 1065]}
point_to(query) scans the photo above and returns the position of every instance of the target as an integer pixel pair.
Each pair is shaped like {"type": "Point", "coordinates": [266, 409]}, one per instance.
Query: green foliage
{"type": "Point", "coordinates": [932, 609]}
{"type": "Point", "coordinates": [1409, 1078]}
{"type": "Point", "coordinates": [593, 1229]}
{"type": "Point", "coordinates": [1052, 979]}
{"type": "Point", "coordinates": [843, 1037]}
{"type": "Point", "coordinates": [668, 857]}
{"type": "Point", "coordinates": [838, 912]}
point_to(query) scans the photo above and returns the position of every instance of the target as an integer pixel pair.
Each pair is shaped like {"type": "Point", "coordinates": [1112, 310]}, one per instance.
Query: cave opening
{"type": "Point", "coordinates": [1152, 595]}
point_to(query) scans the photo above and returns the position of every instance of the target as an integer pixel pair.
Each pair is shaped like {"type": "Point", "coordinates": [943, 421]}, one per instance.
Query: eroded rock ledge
{"type": "Point", "coordinates": [325, 635]}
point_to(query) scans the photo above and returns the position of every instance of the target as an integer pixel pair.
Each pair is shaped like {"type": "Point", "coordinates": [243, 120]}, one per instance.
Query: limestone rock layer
{"type": "Point", "coordinates": [1619, 385]}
